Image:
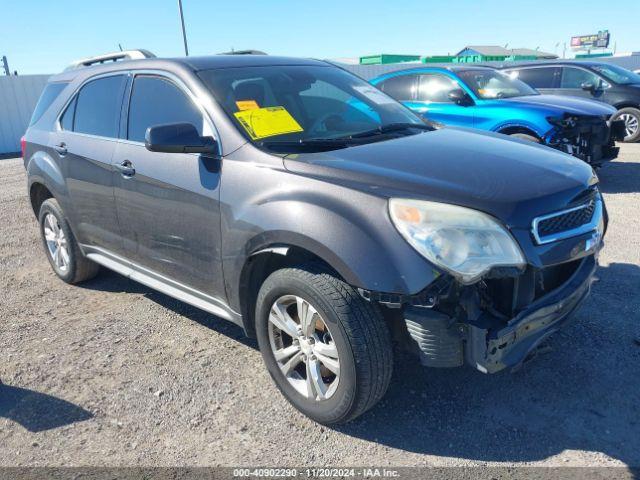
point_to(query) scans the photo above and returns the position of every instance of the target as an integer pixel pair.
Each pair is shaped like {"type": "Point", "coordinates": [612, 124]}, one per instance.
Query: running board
{"type": "Point", "coordinates": [162, 284]}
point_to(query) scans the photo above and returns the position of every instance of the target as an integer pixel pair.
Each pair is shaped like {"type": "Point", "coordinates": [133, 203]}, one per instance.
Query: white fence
{"type": "Point", "coordinates": [18, 97]}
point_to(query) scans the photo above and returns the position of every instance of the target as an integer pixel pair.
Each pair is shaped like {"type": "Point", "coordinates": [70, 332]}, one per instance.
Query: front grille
{"type": "Point", "coordinates": [571, 222]}
{"type": "Point", "coordinates": [567, 221]}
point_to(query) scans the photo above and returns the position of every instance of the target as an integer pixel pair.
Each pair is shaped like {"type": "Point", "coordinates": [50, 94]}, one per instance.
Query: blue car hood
{"type": "Point", "coordinates": [571, 105]}
{"type": "Point", "coordinates": [511, 179]}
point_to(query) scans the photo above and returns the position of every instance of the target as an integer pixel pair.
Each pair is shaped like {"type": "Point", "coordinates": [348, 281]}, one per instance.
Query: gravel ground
{"type": "Point", "coordinates": [111, 373]}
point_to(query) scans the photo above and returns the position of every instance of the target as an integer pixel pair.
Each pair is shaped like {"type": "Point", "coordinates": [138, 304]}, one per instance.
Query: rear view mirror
{"type": "Point", "coordinates": [459, 97]}
{"type": "Point", "coordinates": [178, 138]}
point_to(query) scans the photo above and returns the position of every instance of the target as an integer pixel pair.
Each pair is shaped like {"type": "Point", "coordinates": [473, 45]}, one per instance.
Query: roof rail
{"type": "Point", "coordinates": [111, 57]}
{"type": "Point", "coordinates": [243, 52]}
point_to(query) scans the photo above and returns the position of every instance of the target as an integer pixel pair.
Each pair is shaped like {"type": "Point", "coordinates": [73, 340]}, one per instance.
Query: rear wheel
{"type": "Point", "coordinates": [61, 247]}
{"type": "Point", "coordinates": [631, 118]}
{"type": "Point", "coordinates": [327, 349]}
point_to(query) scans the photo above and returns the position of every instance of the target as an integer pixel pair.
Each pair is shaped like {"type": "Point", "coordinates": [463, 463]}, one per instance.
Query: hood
{"type": "Point", "coordinates": [511, 179]}
{"type": "Point", "coordinates": [561, 104]}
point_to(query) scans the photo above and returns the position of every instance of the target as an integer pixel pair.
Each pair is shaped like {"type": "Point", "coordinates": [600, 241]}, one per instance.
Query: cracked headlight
{"type": "Point", "coordinates": [465, 242]}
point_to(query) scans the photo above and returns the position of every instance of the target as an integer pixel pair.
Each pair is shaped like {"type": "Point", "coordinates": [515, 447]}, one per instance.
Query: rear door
{"type": "Point", "coordinates": [167, 203]}
{"type": "Point", "coordinates": [84, 142]}
{"type": "Point", "coordinates": [544, 79]}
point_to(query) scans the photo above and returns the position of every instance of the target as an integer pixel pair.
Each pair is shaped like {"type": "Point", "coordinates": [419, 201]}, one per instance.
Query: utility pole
{"type": "Point", "coordinates": [184, 33]}
{"type": "Point", "coordinates": [5, 65]}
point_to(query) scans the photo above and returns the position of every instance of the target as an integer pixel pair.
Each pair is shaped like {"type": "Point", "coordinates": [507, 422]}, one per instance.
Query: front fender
{"type": "Point", "coordinates": [348, 229]}
{"type": "Point", "coordinates": [536, 127]}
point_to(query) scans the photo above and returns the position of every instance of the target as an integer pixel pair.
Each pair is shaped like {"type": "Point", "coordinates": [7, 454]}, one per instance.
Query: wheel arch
{"type": "Point", "coordinates": [621, 105]}
{"type": "Point", "coordinates": [510, 129]}
{"type": "Point", "coordinates": [262, 263]}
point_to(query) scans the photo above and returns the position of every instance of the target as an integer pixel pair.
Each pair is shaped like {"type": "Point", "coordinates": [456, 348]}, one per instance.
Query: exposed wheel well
{"type": "Point", "coordinates": [516, 129]}
{"type": "Point", "coordinates": [259, 267]}
{"type": "Point", "coordinates": [38, 194]}
{"type": "Point", "coordinates": [627, 105]}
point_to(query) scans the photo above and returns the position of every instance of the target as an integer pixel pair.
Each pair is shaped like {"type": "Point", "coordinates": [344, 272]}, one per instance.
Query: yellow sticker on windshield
{"type": "Point", "coordinates": [247, 104]}
{"type": "Point", "coordinates": [267, 122]}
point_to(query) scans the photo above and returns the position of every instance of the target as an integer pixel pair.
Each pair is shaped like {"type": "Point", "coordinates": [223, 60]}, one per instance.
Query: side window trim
{"type": "Point", "coordinates": [73, 98]}
{"type": "Point", "coordinates": [178, 84]}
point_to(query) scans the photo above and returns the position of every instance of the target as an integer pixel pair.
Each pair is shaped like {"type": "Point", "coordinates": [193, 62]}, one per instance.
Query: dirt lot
{"type": "Point", "coordinates": [112, 373]}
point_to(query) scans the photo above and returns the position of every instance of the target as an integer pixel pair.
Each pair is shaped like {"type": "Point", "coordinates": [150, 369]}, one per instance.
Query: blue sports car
{"type": "Point", "coordinates": [488, 99]}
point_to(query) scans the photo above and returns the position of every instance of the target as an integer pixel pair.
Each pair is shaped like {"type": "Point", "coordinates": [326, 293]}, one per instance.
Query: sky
{"type": "Point", "coordinates": [44, 36]}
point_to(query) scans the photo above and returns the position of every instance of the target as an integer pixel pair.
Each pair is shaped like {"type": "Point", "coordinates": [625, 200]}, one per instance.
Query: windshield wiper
{"type": "Point", "coordinates": [389, 128]}
{"type": "Point", "coordinates": [309, 144]}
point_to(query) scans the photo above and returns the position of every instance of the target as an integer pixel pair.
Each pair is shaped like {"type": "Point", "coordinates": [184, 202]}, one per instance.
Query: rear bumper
{"type": "Point", "coordinates": [493, 350]}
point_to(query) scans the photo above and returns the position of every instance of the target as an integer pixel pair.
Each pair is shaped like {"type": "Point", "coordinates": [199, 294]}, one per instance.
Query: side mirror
{"type": "Point", "coordinates": [178, 138]}
{"type": "Point", "coordinates": [588, 87]}
{"type": "Point", "coordinates": [459, 97]}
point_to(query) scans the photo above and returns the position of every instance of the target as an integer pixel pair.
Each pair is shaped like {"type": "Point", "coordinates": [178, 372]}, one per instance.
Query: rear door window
{"type": "Point", "coordinates": [540, 77]}
{"type": "Point", "coordinates": [97, 107]}
{"type": "Point", "coordinates": [49, 94]}
{"type": "Point", "coordinates": [403, 87]}
{"type": "Point", "coordinates": [576, 77]}
{"type": "Point", "coordinates": [157, 101]}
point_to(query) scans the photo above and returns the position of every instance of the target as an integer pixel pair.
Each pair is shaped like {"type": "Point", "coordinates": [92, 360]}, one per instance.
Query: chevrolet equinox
{"type": "Point", "coordinates": [323, 217]}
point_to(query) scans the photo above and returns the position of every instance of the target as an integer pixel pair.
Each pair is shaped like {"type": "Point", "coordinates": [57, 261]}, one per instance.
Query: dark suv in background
{"type": "Point", "coordinates": [296, 200]}
{"type": "Point", "coordinates": [595, 80]}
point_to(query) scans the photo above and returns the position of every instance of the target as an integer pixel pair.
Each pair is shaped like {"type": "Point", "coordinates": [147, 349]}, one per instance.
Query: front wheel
{"type": "Point", "coordinates": [327, 349]}
{"type": "Point", "coordinates": [631, 119]}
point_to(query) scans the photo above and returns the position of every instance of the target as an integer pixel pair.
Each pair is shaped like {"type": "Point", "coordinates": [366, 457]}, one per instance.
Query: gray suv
{"type": "Point", "coordinates": [296, 200]}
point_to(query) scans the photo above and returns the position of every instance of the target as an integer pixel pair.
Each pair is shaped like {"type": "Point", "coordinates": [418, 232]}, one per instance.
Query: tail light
{"type": "Point", "coordinates": [23, 145]}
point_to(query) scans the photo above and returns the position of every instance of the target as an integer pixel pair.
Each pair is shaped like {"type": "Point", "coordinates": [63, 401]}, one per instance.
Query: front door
{"type": "Point", "coordinates": [433, 102]}
{"type": "Point", "coordinates": [573, 79]}
{"type": "Point", "coordinates": [167, 203]}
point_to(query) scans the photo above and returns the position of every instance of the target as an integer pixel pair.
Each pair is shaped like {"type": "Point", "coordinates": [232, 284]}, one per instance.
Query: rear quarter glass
{"type": "Point", "coordinates": [49, 94]}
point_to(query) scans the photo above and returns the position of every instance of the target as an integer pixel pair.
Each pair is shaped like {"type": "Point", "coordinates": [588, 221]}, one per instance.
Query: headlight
{"type": "Point", "coordinates": [465, 242]}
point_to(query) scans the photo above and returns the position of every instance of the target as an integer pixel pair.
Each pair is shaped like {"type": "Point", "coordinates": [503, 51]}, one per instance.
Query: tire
{"type": "Point", "coordinates": [524, 136]}
{"type": "Point", "coordinates": [632, 121]}
{"type": "Point", "coordinates": [357, 332]}
{"type": "Point", "coordinates": [72, 267]}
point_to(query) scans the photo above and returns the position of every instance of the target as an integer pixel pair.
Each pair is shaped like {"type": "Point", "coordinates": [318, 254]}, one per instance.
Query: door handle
{"type": "Point", "coordinates": [126, 168]}
{"type": "Point", "coordinates": [61, 148]}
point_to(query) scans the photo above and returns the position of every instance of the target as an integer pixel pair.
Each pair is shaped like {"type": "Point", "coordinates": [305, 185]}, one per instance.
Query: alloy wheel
{"type": "Point", "coordinates": [630, 124]}
{"type": "Point", "coordinates": [303, 347]}
{"type": "Point", "coordinates": [56, 242]}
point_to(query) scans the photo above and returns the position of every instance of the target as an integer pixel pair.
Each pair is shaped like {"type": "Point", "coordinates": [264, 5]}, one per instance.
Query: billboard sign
{"type": "Point", "coordinates": [599, 40]}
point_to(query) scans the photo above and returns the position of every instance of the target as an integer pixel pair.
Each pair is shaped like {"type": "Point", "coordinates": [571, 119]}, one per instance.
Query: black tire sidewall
{"type": "Point", "coordinates": [636, 113]}
{"type": "Point", "coordinates": [51, 206]}
{"type": "Point", "coordinates": [339, 405]}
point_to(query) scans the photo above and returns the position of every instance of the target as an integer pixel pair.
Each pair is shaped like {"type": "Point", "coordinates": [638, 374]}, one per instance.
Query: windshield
{"type": "Point", "coordinates": [490, 84]}
{"type": "Point", "coordinates": [617, 74]}
{"type": "Point", "coordinates": [294, 108]}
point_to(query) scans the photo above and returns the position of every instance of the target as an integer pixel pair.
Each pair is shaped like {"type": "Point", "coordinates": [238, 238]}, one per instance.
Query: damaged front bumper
{"type": "Point", "coordinates": [589, 138]}
{"type": "Point", "coordinates": [493, 350]}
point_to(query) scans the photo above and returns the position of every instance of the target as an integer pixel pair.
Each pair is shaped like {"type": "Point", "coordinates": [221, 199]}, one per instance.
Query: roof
{"type": "Point", "coordinates": [486, 50]}
{"type": "Point", "coordinates": [230, 61]}
{"type": "Point", "coordinates": [189, 63]}
{"type": "Point", "coordinates": [497, 51]}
